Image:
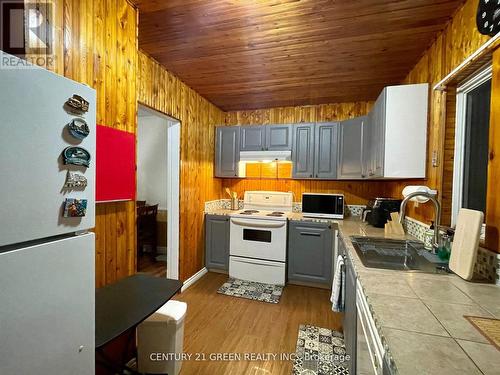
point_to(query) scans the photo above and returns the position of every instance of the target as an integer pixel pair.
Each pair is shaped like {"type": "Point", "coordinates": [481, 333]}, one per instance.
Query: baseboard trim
{"type": "Point", "coordinates": [309, 284]}
{"type": "Point", "coordinates": [194, 279]}
{"type": "Point", "coordinates": [216, 270]}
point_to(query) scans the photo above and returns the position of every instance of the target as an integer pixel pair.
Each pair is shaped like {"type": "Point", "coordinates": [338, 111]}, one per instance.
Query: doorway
{"type": "Point", "coordinates": [158, 171]}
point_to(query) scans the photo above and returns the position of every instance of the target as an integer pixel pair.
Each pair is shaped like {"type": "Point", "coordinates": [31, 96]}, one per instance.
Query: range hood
{"type": "Point", "coordinates": [265, 156]}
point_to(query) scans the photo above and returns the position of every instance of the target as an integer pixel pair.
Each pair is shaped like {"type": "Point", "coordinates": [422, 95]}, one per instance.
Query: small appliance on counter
{"type": "Point", "coordinates": [328, 206]}
{"type": "Point", "coordinates": [378, 211]}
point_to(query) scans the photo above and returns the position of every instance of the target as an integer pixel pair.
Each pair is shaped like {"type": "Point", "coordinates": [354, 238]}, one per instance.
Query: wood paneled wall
{"type": "Point", "coordinates": [453, 45]}
{"type": "Point", "coordinates": [95, 42]}
{"type": "Point", "coordinates": [356, 192]}
{"type": "Point", "coordinates": [493, 193]}
{"type": "Point", "coordinates": [162, 91]}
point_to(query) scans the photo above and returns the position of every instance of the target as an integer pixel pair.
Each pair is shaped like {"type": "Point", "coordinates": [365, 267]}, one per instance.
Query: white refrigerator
{"type": "Point", "coordinates": [47, 190]}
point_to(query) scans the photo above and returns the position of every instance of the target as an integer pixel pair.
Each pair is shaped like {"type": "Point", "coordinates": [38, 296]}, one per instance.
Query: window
{"type": "Point", "coordinates": [471, 143]}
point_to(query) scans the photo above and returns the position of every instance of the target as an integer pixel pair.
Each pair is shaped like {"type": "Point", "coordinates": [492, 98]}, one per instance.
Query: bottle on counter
{"type": "Point", "coordinates": [429, 237]}
{"type": "Point", "coordinates": [444, 249]}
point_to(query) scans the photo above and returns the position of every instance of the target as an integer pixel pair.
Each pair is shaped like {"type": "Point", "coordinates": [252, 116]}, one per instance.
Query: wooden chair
{"type": "Point", "coordinates": [147, 231]}
{"type": "Point", "coordinates": [140, 203]}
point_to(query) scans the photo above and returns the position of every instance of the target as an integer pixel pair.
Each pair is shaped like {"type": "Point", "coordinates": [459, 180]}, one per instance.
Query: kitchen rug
{"type": "Point", "coordinates": [251, 290]}
{"type": "Point", "coordinates": [488, 327]}
{"type": "Point", "coordinates": [320, 351]}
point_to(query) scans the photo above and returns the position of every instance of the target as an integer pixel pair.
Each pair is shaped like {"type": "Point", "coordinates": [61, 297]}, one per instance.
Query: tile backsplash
{"type": "Point", "coordinates": [225, 204]}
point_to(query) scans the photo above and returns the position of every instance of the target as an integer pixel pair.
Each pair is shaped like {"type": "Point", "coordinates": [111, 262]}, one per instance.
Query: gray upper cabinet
{"type": "Point", "coordinates": [378, 137]}
{"type": "Point", "coordinates": [310, 252]}
{"type": "Point", "coordinates": [266, 138]}
{"type": "Point", "coordinates": [373, 141]}
{"type": "Point", "coordinates": [217, 242]}
{"type": "Point", "coordinates": [303, 151]}
{"type": "Point", "coordinates": [253, 138]}
{"type": "Point", "coordinates": [350, 155]}
{"type": "Point", "coordinates": [325, 150]}
{"type": "Point", "coordinates": [278, 137]}
{"type": "Point", "coordinates": [227, 151]}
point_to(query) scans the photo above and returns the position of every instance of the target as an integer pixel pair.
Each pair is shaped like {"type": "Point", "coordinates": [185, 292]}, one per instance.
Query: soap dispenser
{"type": "Point", "coordinates": [429, 237]}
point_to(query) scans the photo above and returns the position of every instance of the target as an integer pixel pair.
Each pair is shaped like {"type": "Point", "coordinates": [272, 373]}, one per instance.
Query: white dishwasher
{"type": "Point", "coordinates": [369, 349]}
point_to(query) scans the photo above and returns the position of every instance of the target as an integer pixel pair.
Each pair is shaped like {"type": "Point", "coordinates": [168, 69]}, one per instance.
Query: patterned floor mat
{"type": "Point", "coordinates": [251, 290]}
{"type": "Point", "coordinates": [320, 351]}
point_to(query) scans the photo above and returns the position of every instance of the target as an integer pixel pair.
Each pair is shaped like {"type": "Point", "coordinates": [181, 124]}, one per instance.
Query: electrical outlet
{"type": "Point", "coordinates": [435, 161]}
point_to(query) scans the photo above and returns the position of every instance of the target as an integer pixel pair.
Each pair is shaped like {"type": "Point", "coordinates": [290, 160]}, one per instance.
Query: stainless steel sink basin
{"type": "Point", "coordinates": [402, 255]}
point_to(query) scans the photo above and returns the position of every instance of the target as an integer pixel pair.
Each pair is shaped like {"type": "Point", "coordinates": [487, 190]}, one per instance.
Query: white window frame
{"type": "Point", "coordinates": [477, 79]}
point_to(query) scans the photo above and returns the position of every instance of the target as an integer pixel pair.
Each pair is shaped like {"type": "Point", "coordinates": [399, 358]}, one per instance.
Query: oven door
{"type": "Point", "coordinates": [258, 238]}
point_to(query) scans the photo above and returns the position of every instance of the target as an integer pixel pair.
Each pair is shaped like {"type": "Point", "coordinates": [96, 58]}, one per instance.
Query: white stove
{"type": "Point", "coordinates": [258, 237]}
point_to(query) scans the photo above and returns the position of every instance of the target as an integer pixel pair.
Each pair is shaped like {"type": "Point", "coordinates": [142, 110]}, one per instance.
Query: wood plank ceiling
{"type": "Point", "coordinates": [246, 54]}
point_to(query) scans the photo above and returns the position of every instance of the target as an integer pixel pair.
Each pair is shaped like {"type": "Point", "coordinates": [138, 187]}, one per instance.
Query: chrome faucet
{"type": "Point", "coordinates": [437, 206]}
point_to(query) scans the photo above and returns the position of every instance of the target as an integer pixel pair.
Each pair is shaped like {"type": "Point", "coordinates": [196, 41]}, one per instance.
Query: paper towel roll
{"type": "Point", "coordinates": [416, 188]}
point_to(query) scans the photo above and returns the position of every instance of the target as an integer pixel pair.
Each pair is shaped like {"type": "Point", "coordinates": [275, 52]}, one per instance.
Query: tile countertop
{"type": "Point", "coordinates": [419, 316]}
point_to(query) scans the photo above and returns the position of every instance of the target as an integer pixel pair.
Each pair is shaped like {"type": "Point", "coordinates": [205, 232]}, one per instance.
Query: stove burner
{"type": "Point", "coordinates": [249, 212]}
{"type": "Point", "coordinates": [276, 214]}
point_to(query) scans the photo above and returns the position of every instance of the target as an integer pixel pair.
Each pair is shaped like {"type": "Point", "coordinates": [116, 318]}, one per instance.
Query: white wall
{"type": "Point", "coordinates": [152, 159]}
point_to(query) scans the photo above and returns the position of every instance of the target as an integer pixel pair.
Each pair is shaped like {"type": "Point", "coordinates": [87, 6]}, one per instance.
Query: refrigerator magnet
{"type": "Point", "coordinates": [78, 128]}
{"type": "Point", "coordinates": [75, 207]}
{"type": "Point", "coordinates": [76, 156]}
{"type": "Point", "coordinates": [77, 104]}
{"type": "Point", "coordinates": [75, 180]}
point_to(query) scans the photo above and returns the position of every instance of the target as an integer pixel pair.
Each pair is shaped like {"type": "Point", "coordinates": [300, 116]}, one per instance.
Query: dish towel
{"type": "Point", "coordinates": [337, 297]}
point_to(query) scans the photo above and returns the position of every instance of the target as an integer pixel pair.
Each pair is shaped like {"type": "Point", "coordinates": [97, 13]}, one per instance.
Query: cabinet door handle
{"type": "Point", "coordinates": [310, 234]}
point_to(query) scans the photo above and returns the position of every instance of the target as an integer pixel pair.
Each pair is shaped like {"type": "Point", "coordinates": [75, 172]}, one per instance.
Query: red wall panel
{"type": "Point", "coordinates": [115, 165]}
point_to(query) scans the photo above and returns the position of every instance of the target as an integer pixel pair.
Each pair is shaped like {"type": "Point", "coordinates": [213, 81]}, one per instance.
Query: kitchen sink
{"type": "Point", "coordinates": [402, 255]}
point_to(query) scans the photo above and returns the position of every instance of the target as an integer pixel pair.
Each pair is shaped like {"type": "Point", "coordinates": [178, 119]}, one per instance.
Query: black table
{"type": "Point", "coordinates": [121, 306]}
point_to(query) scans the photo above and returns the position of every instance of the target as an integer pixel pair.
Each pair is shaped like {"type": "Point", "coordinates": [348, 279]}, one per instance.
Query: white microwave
{"type": "Point", "coordinates": [328, 206]}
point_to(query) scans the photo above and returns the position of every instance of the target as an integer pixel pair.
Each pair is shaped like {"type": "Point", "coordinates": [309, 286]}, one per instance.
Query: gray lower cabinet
{"type": "Point", "coordinates": [217, 242]}
{"type": "Point", "coordinates": [303, 151]}
{"type": "Point", "coordinates": [325, 150]}
{"type": "Point", "coordinates": [310, 252]}
{"type": "Point", "coordinates": [278, 137]}
{"type": "Point", "coordinates": [350, 143]}
{"type": "Point", "coordinates": [227, 151]}
{"type": "Point", "coordinates": [350, 314]}
{"type": "Point", "coordinates": [253, 138]}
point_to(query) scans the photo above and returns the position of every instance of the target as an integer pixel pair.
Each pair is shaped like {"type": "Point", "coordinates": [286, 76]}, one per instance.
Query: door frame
{"type": "Point", "coordinates": [173, 189]}
{"type": "Point", "coordinates": [173, 197]}
{"type": "Point", "coordinates": [477, 79]}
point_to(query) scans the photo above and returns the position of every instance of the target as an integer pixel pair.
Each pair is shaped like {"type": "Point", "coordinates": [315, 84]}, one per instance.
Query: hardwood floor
{"type": "Point", "coordinates": [145, 264]}
{"type": "Point", "coordinates": [221, 324]}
